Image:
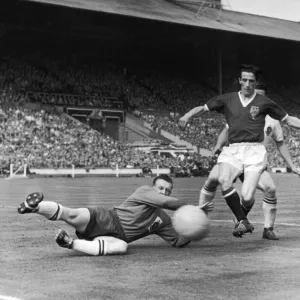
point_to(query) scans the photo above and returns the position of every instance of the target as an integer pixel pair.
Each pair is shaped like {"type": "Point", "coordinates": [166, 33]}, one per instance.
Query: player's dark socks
{"type": "Point", "coordinates": [246, 206]}
{"type": "Point", "coordinates": [233, 201]}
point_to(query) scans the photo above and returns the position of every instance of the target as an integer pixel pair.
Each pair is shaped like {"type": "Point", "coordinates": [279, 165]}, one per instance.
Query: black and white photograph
{"type": "Point", "coordinates": [150, 149]}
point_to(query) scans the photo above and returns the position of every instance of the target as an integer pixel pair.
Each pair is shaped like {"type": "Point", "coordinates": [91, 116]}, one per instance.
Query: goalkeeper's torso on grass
{"type": "Point", "coordinates": [142, 214]}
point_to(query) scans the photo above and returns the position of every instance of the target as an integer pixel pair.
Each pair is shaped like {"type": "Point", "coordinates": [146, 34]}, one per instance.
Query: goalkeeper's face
{"type": "Point", "coordinates": [163, 187]}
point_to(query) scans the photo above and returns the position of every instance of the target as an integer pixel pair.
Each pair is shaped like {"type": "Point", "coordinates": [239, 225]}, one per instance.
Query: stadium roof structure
{"type": "Point", "coordinates": [185, 12]}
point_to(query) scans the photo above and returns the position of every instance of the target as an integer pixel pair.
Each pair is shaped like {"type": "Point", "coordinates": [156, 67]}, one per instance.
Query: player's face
{"type": "Point", "coordinates": [248, 83]}
{"type": "Point", "coordinates": [163, 187]}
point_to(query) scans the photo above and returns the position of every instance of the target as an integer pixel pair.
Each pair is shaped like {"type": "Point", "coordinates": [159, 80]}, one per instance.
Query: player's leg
{"type": "Point", "coordinates": [245, 209]}
{"type": "Point", "coordinates": [78, 218]}
{"type": "Point", "coordinates": [229, 169]}
{"type": "Point", "coordinates": [267, 185]}
{"type": "Point", "coordinates": [254, 159]}
{"type": "Point", "coordinates": [247, 195]}
{"type": "Point", "coordinates": [102, 245]}
{"type": "Point", "coordinates": [249, 187]}
{"type": "Point", "coordinates": [227, 175]}
{"type": "Point", "coordinates": [209, 189]}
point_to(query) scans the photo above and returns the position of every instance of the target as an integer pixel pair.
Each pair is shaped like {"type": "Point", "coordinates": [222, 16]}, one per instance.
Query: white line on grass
{"type": "Point", "coordinates": [2, 297]}
{"type": "Point", "coordinates": [283, 224]}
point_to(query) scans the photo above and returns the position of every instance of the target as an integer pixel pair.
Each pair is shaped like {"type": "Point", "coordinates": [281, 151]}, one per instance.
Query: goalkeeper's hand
{"type": "Point", "coordinates": [207, 207]}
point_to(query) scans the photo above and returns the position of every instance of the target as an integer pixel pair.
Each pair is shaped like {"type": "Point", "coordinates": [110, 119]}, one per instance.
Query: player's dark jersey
{"type": "Point", "coordinates": [141, 214]}
{"type": "Point", "coordinates": [246, 123]}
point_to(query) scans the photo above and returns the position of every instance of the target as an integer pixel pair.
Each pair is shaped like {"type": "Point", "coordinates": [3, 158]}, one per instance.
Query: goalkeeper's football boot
{"type": "Point", "coordinates": [242, 227]}
{"type": "Point", "coordinates": [63, 239]}
{"type": "Point", "coordinates": [31, 203]}
{"type": "Point", "coordinates": [269, 234]}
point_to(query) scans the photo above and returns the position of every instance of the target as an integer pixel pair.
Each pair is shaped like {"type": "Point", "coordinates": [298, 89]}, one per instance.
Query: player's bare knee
{"type": "Point", "coordinates": [225, 183]}
{"type": "Point", "coordinates": [247, 196]}
{"type": "Point", "coordinates": [270, 191]}
{"type": "Point", "coordinates": [212, 182]}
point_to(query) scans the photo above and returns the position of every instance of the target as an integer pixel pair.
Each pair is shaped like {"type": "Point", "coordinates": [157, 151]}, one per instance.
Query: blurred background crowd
{"type": "Point", "coordinates": [56, 140]}
{"type": "Point", "coordinates": [96, 63]}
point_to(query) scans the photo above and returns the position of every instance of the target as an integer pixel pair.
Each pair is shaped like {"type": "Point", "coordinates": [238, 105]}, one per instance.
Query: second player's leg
{"type": "Point", "coordinates": [267, 186]}
{"type": "Point", "coordinates": [208, 191]}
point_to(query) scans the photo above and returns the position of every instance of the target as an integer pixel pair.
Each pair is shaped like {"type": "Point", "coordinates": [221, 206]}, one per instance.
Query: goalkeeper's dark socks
{"type": "Point", "coordinates": [233, 201]}
{"type": "Point", "coordinates": [51, 210]}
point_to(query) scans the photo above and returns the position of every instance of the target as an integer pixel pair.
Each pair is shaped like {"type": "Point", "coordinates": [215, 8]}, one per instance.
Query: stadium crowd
{"type": "Point", "coordinates": [55, 140]}
{"type": "Point", "coordinates": [52, 140]}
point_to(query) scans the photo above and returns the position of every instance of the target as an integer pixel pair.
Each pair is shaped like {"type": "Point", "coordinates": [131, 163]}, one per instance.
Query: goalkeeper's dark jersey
{"type": "Point", "coordinates": [142, 214]}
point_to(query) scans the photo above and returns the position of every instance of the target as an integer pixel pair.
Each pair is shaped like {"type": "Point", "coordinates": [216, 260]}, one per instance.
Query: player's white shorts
{"type": "Point", "coordinates": [245, 156]}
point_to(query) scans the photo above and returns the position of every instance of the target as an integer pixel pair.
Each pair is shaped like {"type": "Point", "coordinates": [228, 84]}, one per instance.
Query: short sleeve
{"type": "Point", "coordinates": [217, 103]}
{"type": "Point", "coordinates": [275, 111]}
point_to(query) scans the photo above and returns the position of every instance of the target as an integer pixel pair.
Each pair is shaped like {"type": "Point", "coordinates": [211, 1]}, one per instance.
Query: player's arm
{"type": "Point", "coordinates": [152, 198]}
{"type": "Point", "coordinates": [292, 121]}
{"type": "Point", "coordinates": [199, 110]}
{"type": "Point", "coordinates": [215, 104]}
{"type": "Point", "coordinates": [278, 113]}
{"type": "Point", "coordinates": [282, 147]}
{"type": "Point", "coordinates": [168, 233]}
{"type": "Point", "coordinates": [285, 153]}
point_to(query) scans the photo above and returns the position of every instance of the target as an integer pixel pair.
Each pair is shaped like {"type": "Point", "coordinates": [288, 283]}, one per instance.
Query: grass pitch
{"type": "Point", "coordinates": [33, 267]}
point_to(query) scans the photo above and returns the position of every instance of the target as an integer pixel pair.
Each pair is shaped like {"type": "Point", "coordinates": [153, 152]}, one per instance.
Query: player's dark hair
{"type": "Point", "coordinates": [164, 177]}
{"type": "Point", "coordinates": [251, 69]}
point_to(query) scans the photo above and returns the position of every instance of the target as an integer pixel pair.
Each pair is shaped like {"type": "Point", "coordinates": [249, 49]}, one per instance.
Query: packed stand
{"type": "Point", "coordinates": [52, 82]}
{"type": "Point", "coordinates": [43, 140]}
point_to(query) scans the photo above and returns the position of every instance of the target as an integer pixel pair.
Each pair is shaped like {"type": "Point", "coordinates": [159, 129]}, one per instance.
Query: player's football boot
{"type": "Point", "coordinates": [31, 203]}
{"type": "Point", "coordinates": [269, 234]}
{"type": "Point", "coordinates": [63, 239]}
{"type": "Point", "coordinates": [242, 227]}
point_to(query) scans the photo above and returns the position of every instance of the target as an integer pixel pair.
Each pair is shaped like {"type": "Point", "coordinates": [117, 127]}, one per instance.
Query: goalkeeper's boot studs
{"type": "Point", "coordinates": [31, 203]}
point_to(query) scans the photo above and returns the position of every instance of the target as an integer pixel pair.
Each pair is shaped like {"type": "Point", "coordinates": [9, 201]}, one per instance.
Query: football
{"type": "Point", "coordinates": [191, 222]}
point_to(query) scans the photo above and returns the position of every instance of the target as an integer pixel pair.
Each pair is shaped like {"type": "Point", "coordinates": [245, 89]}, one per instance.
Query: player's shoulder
{"type": "Point", "coordinates": [263, 99]}
{"type": "Point", "coordinates": [231, 95]}
{"type": "Point", "coordinates": [227, 96]}
{"type": "Point", "coordinates": [144, 188]}
{"type": "Point", "coordinates": [140, 190]}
